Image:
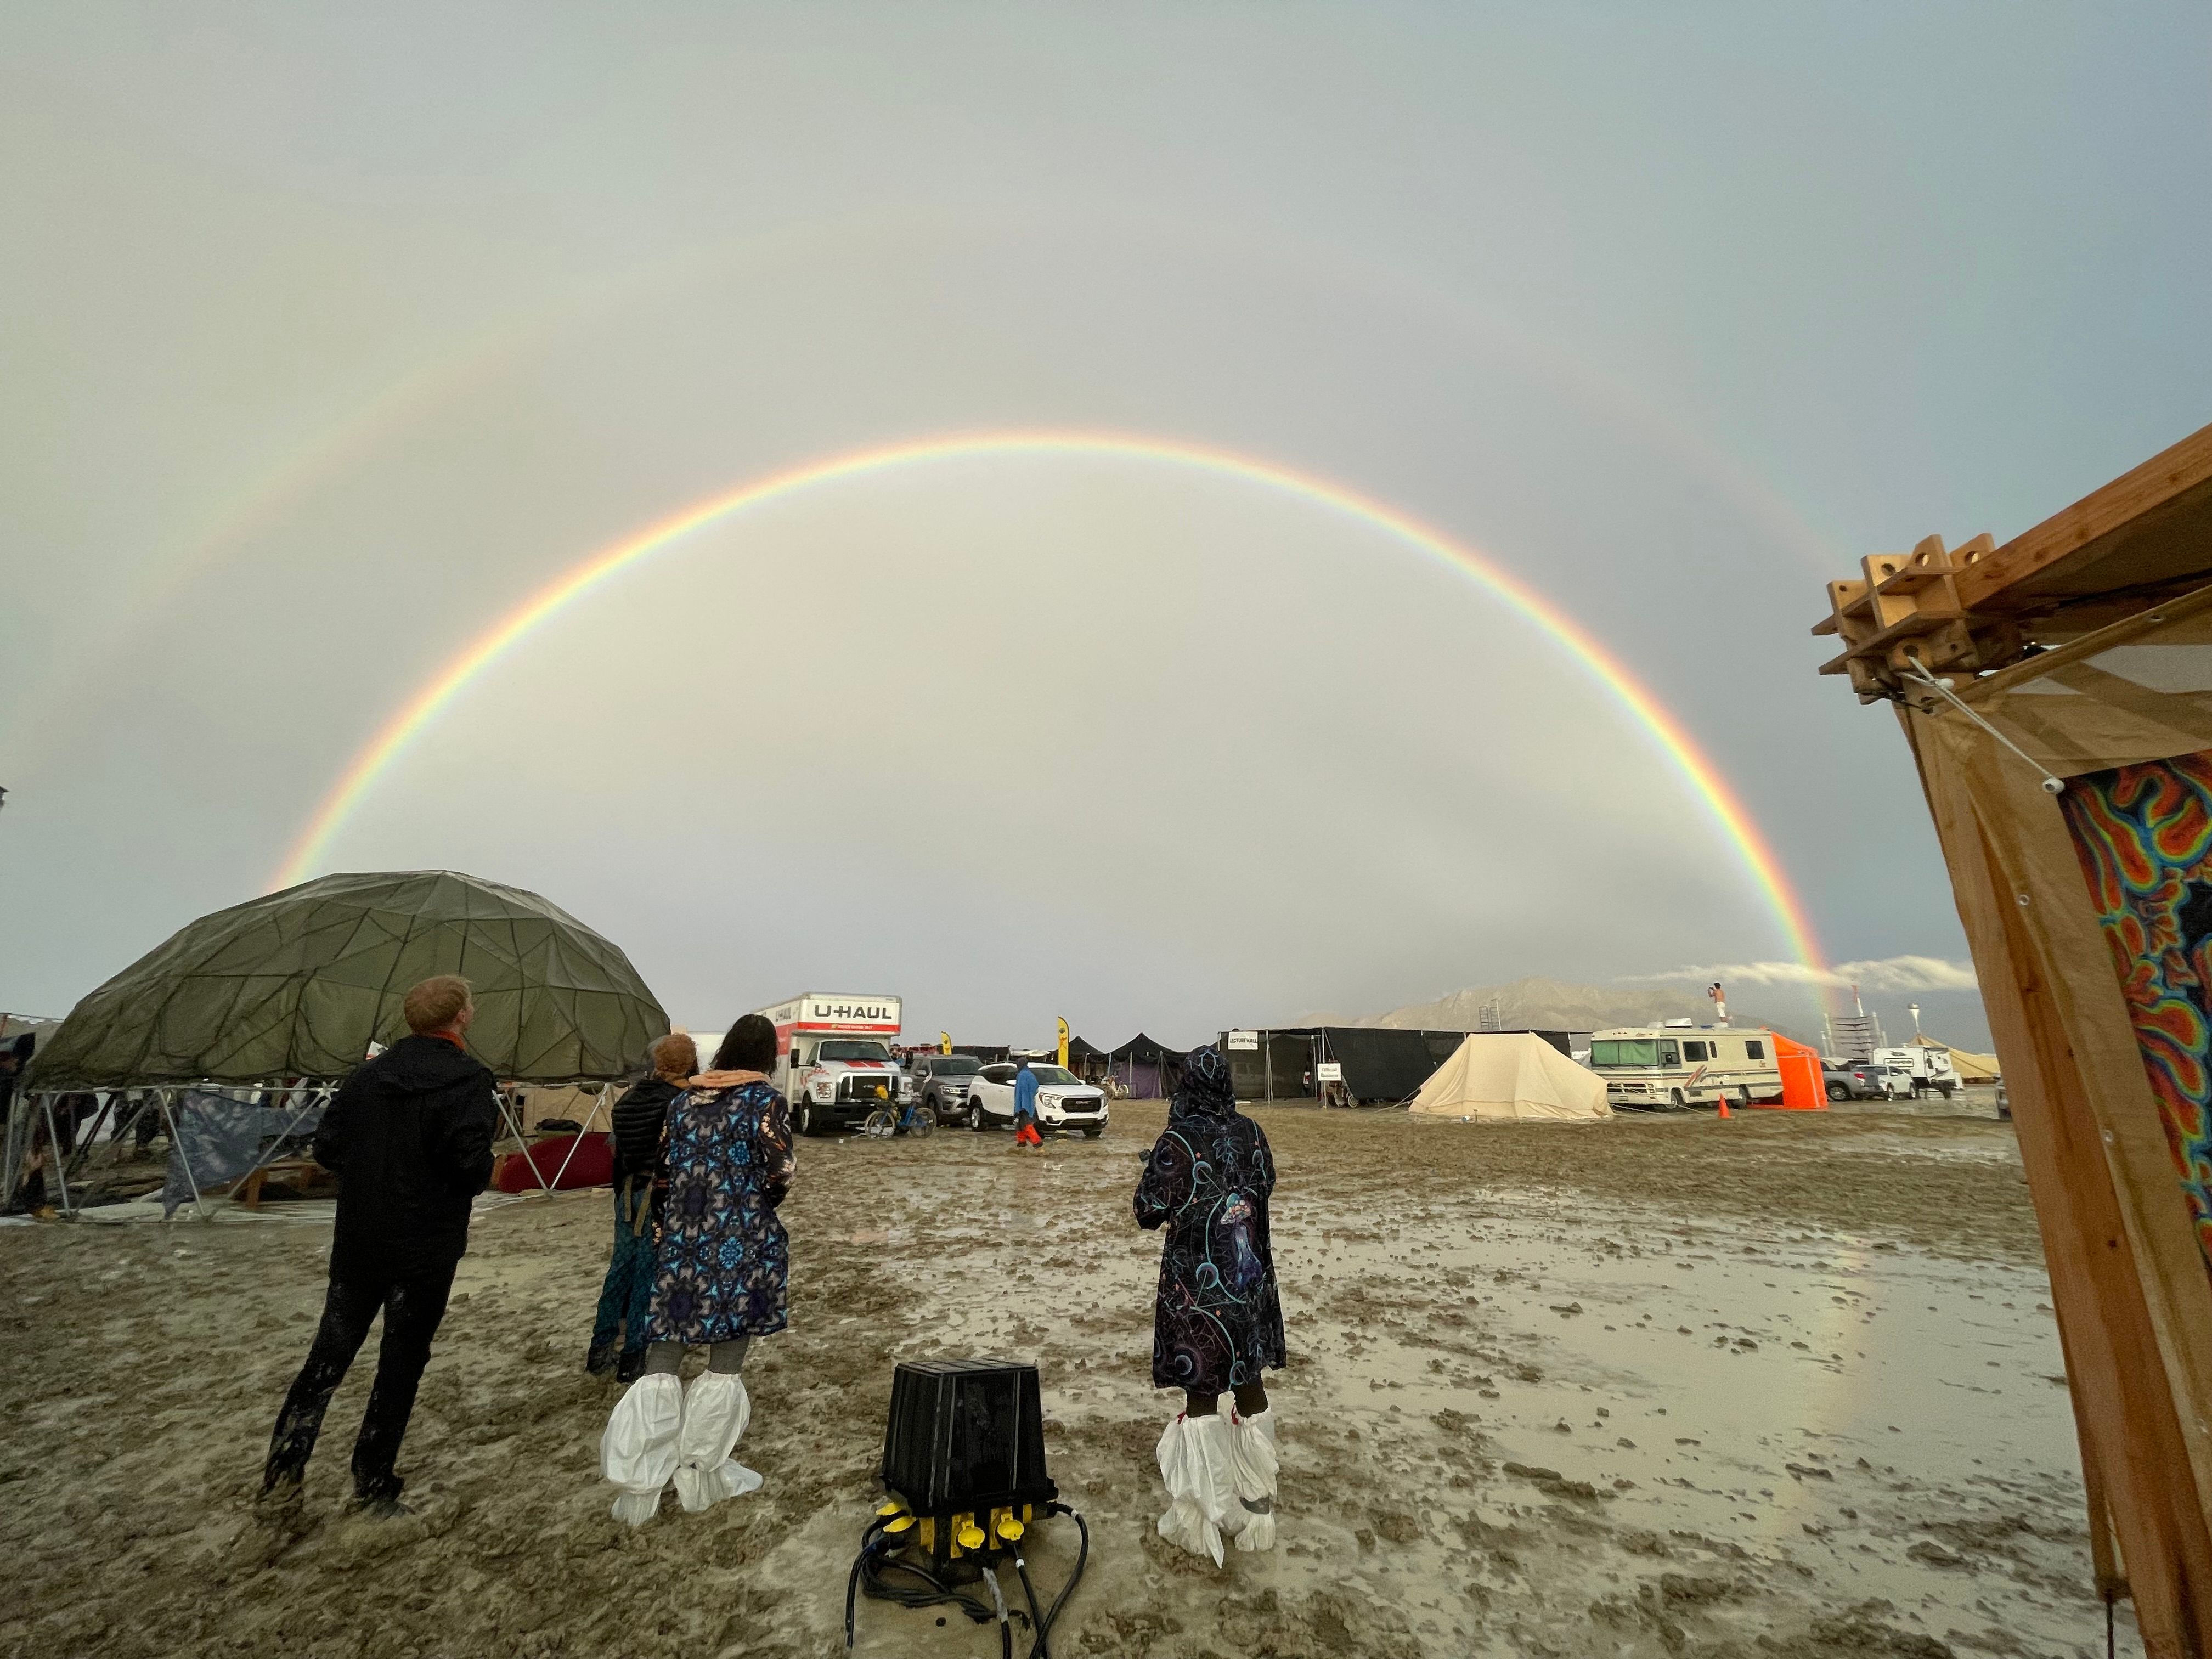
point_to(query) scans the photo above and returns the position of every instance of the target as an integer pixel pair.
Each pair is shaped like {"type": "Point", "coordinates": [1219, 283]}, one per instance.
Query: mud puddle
{"type": "Point", "coordinates": [1891, 1422]}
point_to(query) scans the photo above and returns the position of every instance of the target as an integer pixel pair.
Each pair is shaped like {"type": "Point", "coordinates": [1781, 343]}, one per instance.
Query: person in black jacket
{"type": "Point", "coordinates": [640, 1119]}
{"type": "Point", "coordinates": [409, 1138]}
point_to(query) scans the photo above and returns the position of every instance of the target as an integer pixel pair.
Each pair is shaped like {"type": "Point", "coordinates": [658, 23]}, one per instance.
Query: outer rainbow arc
{"type": "Point", "coordinates": [413, 717]}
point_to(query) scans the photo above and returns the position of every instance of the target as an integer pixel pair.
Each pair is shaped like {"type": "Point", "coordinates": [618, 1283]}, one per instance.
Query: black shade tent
{"type": "Point", "coordinates": [285, 993]}
{"type": "Point", "coordinates": [1381, 1064]}
{"type": "Point", "coordinates": [1144, 1066]}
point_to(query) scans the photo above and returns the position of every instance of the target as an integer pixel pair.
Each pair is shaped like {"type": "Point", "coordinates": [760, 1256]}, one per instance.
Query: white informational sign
{"type": "Point", "coordinates": [1329, 1071]}
{"type": "Point", "coordinates": [1244, 1040]}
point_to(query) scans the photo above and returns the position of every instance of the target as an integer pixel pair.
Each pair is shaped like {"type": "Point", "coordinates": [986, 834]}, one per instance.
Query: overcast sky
{"type": "Point", "coordinates": [329, 334]}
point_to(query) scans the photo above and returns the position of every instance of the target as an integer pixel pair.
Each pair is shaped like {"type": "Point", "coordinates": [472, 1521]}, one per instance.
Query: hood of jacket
{"type": "Point", "coordinates": [653, 1092]}
{"type": "Point", "coordinates": [727, 1079]}
{"type": "Point", "coordinates": [421, 1065]}
{"type": "Point", "coordinates": [1205, 1094]}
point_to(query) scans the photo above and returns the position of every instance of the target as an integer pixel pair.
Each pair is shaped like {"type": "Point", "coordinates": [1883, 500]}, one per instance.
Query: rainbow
{"type": "Point", "coordinates": [412, 717]}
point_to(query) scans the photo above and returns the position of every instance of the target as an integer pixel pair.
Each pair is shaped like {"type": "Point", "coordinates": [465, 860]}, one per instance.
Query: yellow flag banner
{"type": "Point", "coordinates": [945, 1042]}
{"type": "Point", "coordinates": [1063, 1043]}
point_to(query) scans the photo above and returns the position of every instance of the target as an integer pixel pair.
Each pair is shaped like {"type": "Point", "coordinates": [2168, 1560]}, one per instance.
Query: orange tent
{"type": "Point", "coordinates": [1803, 1087]}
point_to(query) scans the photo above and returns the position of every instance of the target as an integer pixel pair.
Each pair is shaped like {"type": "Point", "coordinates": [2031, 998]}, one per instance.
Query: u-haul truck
{"type": "Point", "coordinates": [833, 1057]}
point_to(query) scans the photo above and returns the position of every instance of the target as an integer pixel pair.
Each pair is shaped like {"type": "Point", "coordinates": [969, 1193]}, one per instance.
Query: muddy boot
{"type": "Point", "coordinates": [637, 1452]}
{"type": "Point", "coordinates": [1252, 1440]}
{"type": "Point", "coordinates": [715, 1413]}
{"type": "Point", "coordinates": [1197, 1465]}
{"type": "Point", "coordinates": [275, 1520]}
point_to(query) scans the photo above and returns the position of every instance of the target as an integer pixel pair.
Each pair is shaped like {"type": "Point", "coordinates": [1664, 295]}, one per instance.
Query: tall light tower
{"type": "Point", "coordinates": [1913, 1009]}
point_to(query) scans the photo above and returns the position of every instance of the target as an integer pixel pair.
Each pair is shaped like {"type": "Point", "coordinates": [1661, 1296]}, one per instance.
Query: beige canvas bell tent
{"type": "Point", "coordinates": [1512, 1076]}
{"type": "Point", "coordinates": [1967, 1065]}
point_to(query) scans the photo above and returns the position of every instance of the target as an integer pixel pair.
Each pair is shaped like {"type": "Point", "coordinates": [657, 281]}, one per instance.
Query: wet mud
{"type": "Point", "coordinates": [1781, 1386]}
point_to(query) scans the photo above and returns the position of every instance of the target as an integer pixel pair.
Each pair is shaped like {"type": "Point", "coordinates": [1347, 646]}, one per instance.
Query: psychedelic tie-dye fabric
{"type": "Point", "coordinates": [2144, 835]}
{"type": "Point", "coordinates": [1217, 1317]}
{"type": "Point", "coordinates": [723, 1264]}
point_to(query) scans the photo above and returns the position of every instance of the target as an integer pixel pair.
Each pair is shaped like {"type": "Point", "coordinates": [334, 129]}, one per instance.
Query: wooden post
{"type": "Point", "coordinates": [2134, 1455]}
{"type": "Point", "coordinates": [1953, 636]}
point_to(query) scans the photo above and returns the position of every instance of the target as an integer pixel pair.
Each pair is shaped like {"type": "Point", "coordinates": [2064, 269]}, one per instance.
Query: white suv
{"type": "Point", "coordinates": [1063, 1100]}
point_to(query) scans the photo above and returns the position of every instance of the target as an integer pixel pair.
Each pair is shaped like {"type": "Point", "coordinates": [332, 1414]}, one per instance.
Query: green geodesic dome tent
{"type": "Point", "coordinates": [298, 985]}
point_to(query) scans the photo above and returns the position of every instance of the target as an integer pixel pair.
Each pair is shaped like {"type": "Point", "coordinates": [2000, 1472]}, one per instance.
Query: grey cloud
{"type": "Point", "coordinates": [1904, 973]}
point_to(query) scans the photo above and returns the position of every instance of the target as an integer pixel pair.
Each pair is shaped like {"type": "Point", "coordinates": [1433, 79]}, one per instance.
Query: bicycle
{"type": "Point", "coordinates": [884, 1123]}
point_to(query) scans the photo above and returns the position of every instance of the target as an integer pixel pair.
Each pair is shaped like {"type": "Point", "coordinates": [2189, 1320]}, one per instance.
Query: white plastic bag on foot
{"type": "Point", "coordinates": [715, 1412]}
{"type": "Point", "coordinates": [637, 1450]}
{"type": "Point", "coordinates": [1258, 1478]}
{"type": "Point", "coordinates": [1196, 1464]}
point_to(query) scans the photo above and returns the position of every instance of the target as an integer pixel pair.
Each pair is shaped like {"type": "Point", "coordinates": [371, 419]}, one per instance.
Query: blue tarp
{"type": "Point", "coordinates": [224, 1138]}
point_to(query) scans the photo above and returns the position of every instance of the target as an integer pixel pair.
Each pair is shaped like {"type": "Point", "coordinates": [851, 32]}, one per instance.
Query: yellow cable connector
{"type": "Point", "coordinates": [971, 1536]}
{"type": "Point", "coordinates": [1009, 1529]}
{"type": "Point", "coordinates": [891, 1508]}
{"type": "Point", "coordinates": [904, 1523]}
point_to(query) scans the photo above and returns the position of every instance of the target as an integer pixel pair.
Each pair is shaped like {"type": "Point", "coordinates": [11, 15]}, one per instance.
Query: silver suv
{"type": "Point", "coordinates": [940, 1082]}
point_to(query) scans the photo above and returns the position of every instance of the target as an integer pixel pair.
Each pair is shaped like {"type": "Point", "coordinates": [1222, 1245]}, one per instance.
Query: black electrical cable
{"type": "Point", "coordinates": [934, 1591]}
{"type": "Point", "coordinates": [1039, 1647]}
{"type": "Point", "coordinates": [877, 1558]}
{"type": "Point", "coordinates": [1006, 1625]}
{"type": "Point", "coordinates": [851, 1588]}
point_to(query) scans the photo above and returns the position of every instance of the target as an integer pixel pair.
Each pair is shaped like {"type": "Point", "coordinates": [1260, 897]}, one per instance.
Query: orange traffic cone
{"type": "Point", "coordinates": [1724, 1110]}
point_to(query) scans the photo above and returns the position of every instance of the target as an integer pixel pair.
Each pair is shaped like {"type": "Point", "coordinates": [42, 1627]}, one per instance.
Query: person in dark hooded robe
{"type": "Point", "coordinates": [1218, 1316]}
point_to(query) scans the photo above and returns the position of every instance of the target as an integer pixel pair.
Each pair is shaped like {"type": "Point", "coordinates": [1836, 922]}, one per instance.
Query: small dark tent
{"type": "Point", "coordinates": [1145, 1068]}
{"type": "Point", "coordinates": [1086, 1061]}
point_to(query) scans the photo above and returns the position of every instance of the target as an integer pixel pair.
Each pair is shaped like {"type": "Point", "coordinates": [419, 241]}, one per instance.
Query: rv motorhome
{"type": "Point", "coordinates": [1668, 1068]}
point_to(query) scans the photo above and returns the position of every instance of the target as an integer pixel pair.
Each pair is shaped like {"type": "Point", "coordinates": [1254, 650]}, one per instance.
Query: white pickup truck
{"type": "Point", "coordinates": [833, 1060]}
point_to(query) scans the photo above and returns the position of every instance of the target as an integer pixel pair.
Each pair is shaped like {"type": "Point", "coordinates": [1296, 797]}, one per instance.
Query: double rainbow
{"type": "Point", "coordinates": [392, 739]}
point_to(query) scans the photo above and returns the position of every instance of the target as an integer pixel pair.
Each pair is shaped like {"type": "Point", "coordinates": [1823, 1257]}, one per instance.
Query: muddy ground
{"type": "Point", "coordinates": [1781, 1386]}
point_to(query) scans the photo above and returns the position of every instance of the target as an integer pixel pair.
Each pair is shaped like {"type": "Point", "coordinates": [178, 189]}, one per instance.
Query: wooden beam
{"type": "Point", "coordinates": [2151, 523]}
{"type": "Point", "coordinates": [2135, 1460]}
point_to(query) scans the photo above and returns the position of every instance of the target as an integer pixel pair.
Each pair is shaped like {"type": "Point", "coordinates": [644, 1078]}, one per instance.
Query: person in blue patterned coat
{"type": "Point", "coordinates": [720, 1278]}
{"type": "Point", "coordinates": [1218, 1316]}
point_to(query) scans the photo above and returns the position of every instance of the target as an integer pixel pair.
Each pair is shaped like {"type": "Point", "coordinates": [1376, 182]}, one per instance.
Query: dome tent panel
{"type": "Point", "coordinates": [299, 983]}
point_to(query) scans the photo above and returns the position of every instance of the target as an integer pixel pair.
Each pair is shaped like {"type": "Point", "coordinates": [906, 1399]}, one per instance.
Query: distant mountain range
{"type": "Point", "coordinates": [1550, 1005]}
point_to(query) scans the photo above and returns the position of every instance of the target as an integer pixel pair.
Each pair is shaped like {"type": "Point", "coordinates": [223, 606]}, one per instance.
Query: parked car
{"type": "Point", "coordinates": [1854, 1079]}
{"type": "Point", "coordinates": [938, 1084]}
{"type": "Point", "coordinates": [1063, 1100]}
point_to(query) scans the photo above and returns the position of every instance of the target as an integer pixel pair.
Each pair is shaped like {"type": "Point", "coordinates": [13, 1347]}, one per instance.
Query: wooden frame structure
{"type": "Point", "coordinates": [2056, 693]}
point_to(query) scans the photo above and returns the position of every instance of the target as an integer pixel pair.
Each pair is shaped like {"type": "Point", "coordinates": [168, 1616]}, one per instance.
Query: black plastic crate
{"type": "Point", "coordinates": [965, 1437]}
